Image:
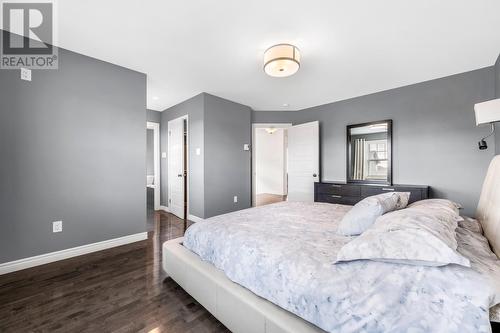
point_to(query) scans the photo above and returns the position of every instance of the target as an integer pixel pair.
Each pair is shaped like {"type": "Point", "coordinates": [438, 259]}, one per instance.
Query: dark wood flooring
{"type": "Point", "coordinates": [117, 290]}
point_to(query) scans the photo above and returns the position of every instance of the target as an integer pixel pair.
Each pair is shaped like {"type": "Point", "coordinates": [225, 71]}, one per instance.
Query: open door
{"type": "Point", "coordinates": [176, 167]}
{"type": "Point", "coordinates": [303, 161]}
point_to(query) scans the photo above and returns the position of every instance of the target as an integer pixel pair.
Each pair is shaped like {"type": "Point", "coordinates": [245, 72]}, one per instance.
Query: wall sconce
{"type": "Point", "coordinates": [487, 113]}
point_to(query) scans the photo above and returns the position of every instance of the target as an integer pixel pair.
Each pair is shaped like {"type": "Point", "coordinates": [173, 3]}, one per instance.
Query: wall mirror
{"type": "Point", "coordinates": [369, 151]}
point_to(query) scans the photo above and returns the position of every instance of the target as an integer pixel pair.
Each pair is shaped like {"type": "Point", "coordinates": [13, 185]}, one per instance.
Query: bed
{"type": "Point", "coordinates": [255, 275]}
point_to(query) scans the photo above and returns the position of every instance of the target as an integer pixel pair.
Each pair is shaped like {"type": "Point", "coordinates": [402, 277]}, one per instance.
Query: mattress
{"type": "Point", "coordinates": [286, 253]}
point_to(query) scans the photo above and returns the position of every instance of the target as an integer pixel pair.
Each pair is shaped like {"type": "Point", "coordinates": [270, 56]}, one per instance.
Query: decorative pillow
{"type": "Point", "coordinates": [365, 212]}
{"type": "Point", "coordinates": [410, 236]}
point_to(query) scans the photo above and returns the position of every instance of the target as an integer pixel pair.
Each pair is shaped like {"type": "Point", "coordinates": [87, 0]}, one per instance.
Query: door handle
{"type": "Point", "coordinates": [179, 175]}
{"type": "Point", "coordinates": [315, 175]}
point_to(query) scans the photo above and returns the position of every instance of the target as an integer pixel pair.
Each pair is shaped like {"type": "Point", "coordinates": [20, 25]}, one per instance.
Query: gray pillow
{"type": "Point", "coordinates": [365, 212]}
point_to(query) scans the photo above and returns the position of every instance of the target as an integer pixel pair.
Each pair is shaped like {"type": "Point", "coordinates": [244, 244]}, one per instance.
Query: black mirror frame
{"type": "Point", "coordinates": [389, 153]}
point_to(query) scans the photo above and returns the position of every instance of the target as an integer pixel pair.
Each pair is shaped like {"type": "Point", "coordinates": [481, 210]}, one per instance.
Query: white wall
{"type": "Point", "coordinates": [270, 163]}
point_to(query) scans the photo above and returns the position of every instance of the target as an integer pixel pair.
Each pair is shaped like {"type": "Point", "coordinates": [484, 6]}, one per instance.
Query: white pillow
{"type": "Point", "coordinates": [365, 212]}
{"type": "Point", "coordinates": [410, 236]}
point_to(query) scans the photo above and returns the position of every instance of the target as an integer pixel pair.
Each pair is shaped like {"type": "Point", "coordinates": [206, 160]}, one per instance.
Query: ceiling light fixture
{"type": "Point", "coordinates": [281, 60]}
{"type": "Point", "coordinates": [271, 130]}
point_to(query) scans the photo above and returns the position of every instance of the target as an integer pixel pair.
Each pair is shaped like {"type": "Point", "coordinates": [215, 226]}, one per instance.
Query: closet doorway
{"type": "Point", "coordinates": [269, 163]}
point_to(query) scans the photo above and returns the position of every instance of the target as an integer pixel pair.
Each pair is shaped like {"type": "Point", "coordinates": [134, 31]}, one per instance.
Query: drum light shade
{"type": "Point", "coordinates": [281, 60]}
{"type": "Point", "coordinates": [487, 112]}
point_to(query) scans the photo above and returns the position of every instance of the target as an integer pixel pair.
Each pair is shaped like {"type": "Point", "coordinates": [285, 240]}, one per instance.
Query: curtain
{"type": "Point", "coordinates": [359, 159]}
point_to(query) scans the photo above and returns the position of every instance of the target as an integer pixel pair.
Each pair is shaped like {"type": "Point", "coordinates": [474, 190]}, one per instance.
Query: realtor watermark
{"type": "Point", "coordinates": [28, 35]}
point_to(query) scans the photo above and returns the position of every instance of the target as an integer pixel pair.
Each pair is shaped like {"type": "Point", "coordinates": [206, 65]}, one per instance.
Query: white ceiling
{"type": "Point", "coordinates": [349, 48]}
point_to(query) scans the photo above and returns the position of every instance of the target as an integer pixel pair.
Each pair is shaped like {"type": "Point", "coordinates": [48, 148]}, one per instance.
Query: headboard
{"type": "Point", "coordinates": [488, 209]}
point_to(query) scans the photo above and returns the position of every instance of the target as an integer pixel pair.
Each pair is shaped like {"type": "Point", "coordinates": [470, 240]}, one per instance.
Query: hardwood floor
{"type": "Point", "coordinates": [267, 198]}
{"type": "Point", "coordinates": [117, 290]}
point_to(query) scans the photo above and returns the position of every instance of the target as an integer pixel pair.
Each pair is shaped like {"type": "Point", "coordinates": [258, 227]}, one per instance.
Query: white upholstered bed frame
{"type": "Point", "coordinates": [242, 311]}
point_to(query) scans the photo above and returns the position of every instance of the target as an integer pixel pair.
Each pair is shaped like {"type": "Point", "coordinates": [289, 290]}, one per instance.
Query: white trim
{"type": "Point", "coordinates": [165, 209]}
{"type": "Point", "coordinates": [254, 127]}
{"type": "Point", "coordinates": [156, 143]}
{"type": "Point", "coordinates": [46, 258]}
{"type": "Point", "coordinates": [195, 218]}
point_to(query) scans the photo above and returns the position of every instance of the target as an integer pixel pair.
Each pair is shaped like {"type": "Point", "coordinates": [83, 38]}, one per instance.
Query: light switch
{"type": "Point", "coordinates": [163, 155]}
{"type": "Point", "coordinates": [25, 74]}
{"type": "Point", "coordinates": [57, 226]}
{"type": "Point", "coordinates": [246, 146]}
{"type": "Point", "coordinates": [198, 151]}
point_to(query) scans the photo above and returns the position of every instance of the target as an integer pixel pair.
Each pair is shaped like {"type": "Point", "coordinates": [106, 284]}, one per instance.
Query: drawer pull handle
{"type": "Point", "coordinates": [387, 189]}
{"type": "Point", "coordinates": [337, 186]}
{"type": "Point", "coordinates": [336, 196]}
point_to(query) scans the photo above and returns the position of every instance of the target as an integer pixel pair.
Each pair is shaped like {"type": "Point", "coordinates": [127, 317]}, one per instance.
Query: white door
{"type": "Point", "coordinates": [303, 161]}
{"type": "Point", "coordinates": [176, 167]}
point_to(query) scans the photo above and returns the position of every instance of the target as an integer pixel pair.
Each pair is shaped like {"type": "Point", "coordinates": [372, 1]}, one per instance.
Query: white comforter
{"type": "Point", "coordinates": [286, 254]}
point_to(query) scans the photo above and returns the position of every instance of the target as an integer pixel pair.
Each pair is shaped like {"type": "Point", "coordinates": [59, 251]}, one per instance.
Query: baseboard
{"type": "Point", "coordinates": [195, 218]}
{"type": "Point", "coordinates": [46, 258]}
{"type": "Point", "coordinates": [165, 208]}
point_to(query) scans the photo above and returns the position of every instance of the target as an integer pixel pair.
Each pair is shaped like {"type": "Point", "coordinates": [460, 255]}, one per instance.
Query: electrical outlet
{"type": "Point", "coordinates": [57, 226]}
{"type": "Point", "coordinates": [25, 74]}
{"type": "Point", "coordinates": [235, 199]}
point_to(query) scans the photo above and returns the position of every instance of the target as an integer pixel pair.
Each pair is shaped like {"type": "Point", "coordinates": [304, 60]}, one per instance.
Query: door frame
{"type": "Point", "coordinates": [156, 161]}
{"type": "Point", "coordinates": [186, 158]}
{"type": "Point", "coordinates": [254, 127]}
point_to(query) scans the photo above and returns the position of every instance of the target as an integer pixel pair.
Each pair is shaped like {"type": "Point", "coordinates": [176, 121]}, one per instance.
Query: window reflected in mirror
{"type": "Point", "coordinates": [369, 154]}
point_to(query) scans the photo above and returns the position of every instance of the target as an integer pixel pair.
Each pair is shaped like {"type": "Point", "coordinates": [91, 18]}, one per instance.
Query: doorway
{"type": "Point", "coordinates": [152, 171]}
{"type": "Point", "coordinates": [178, 166]}
{"type": "Point", "coordinates": [269, 163]}
{"type": "Point", "coordinates": [292, 179]}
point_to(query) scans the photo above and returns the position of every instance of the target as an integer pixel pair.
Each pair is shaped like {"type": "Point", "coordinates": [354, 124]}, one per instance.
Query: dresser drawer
{"type": "Point", "coordinates": [415, 193]}
{"type": "Point", "coordinates": [339, 189]}
{"type": "Point", "coordinates": [338, 199]}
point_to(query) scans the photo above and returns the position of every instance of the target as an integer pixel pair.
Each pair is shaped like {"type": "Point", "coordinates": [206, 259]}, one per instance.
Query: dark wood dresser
{"type": "Point", "coordinates": [351, 193]}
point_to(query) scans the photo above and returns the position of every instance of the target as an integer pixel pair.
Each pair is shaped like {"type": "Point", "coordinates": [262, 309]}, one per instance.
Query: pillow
{"type": "Point", "coordinates": [412, 236]}
{"type": "Point", "coordinates": [438, 203]}
{"type": "Point", "coordinates": [471, 224]}
{"type": "Point", "coordinates": [365, 212]}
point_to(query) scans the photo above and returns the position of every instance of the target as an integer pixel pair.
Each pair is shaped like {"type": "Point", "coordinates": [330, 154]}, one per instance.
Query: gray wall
{"type": "Point", "coordinates": [497, 93]}
{"type": "Point", "coordinates": [227, 165]}
{"type": "Point", "coordinates": [194, 108]}
{"type": "Point", "coordinates": [219, 128]}
{"type": "Point", "coordinates": [150, 155]}
{"type": "Point", "coordinates": [73, 148]}
{"type": "Point", "coordinates": [435, 137]}
{"type": "Point", "coordinates": [153, 116]}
